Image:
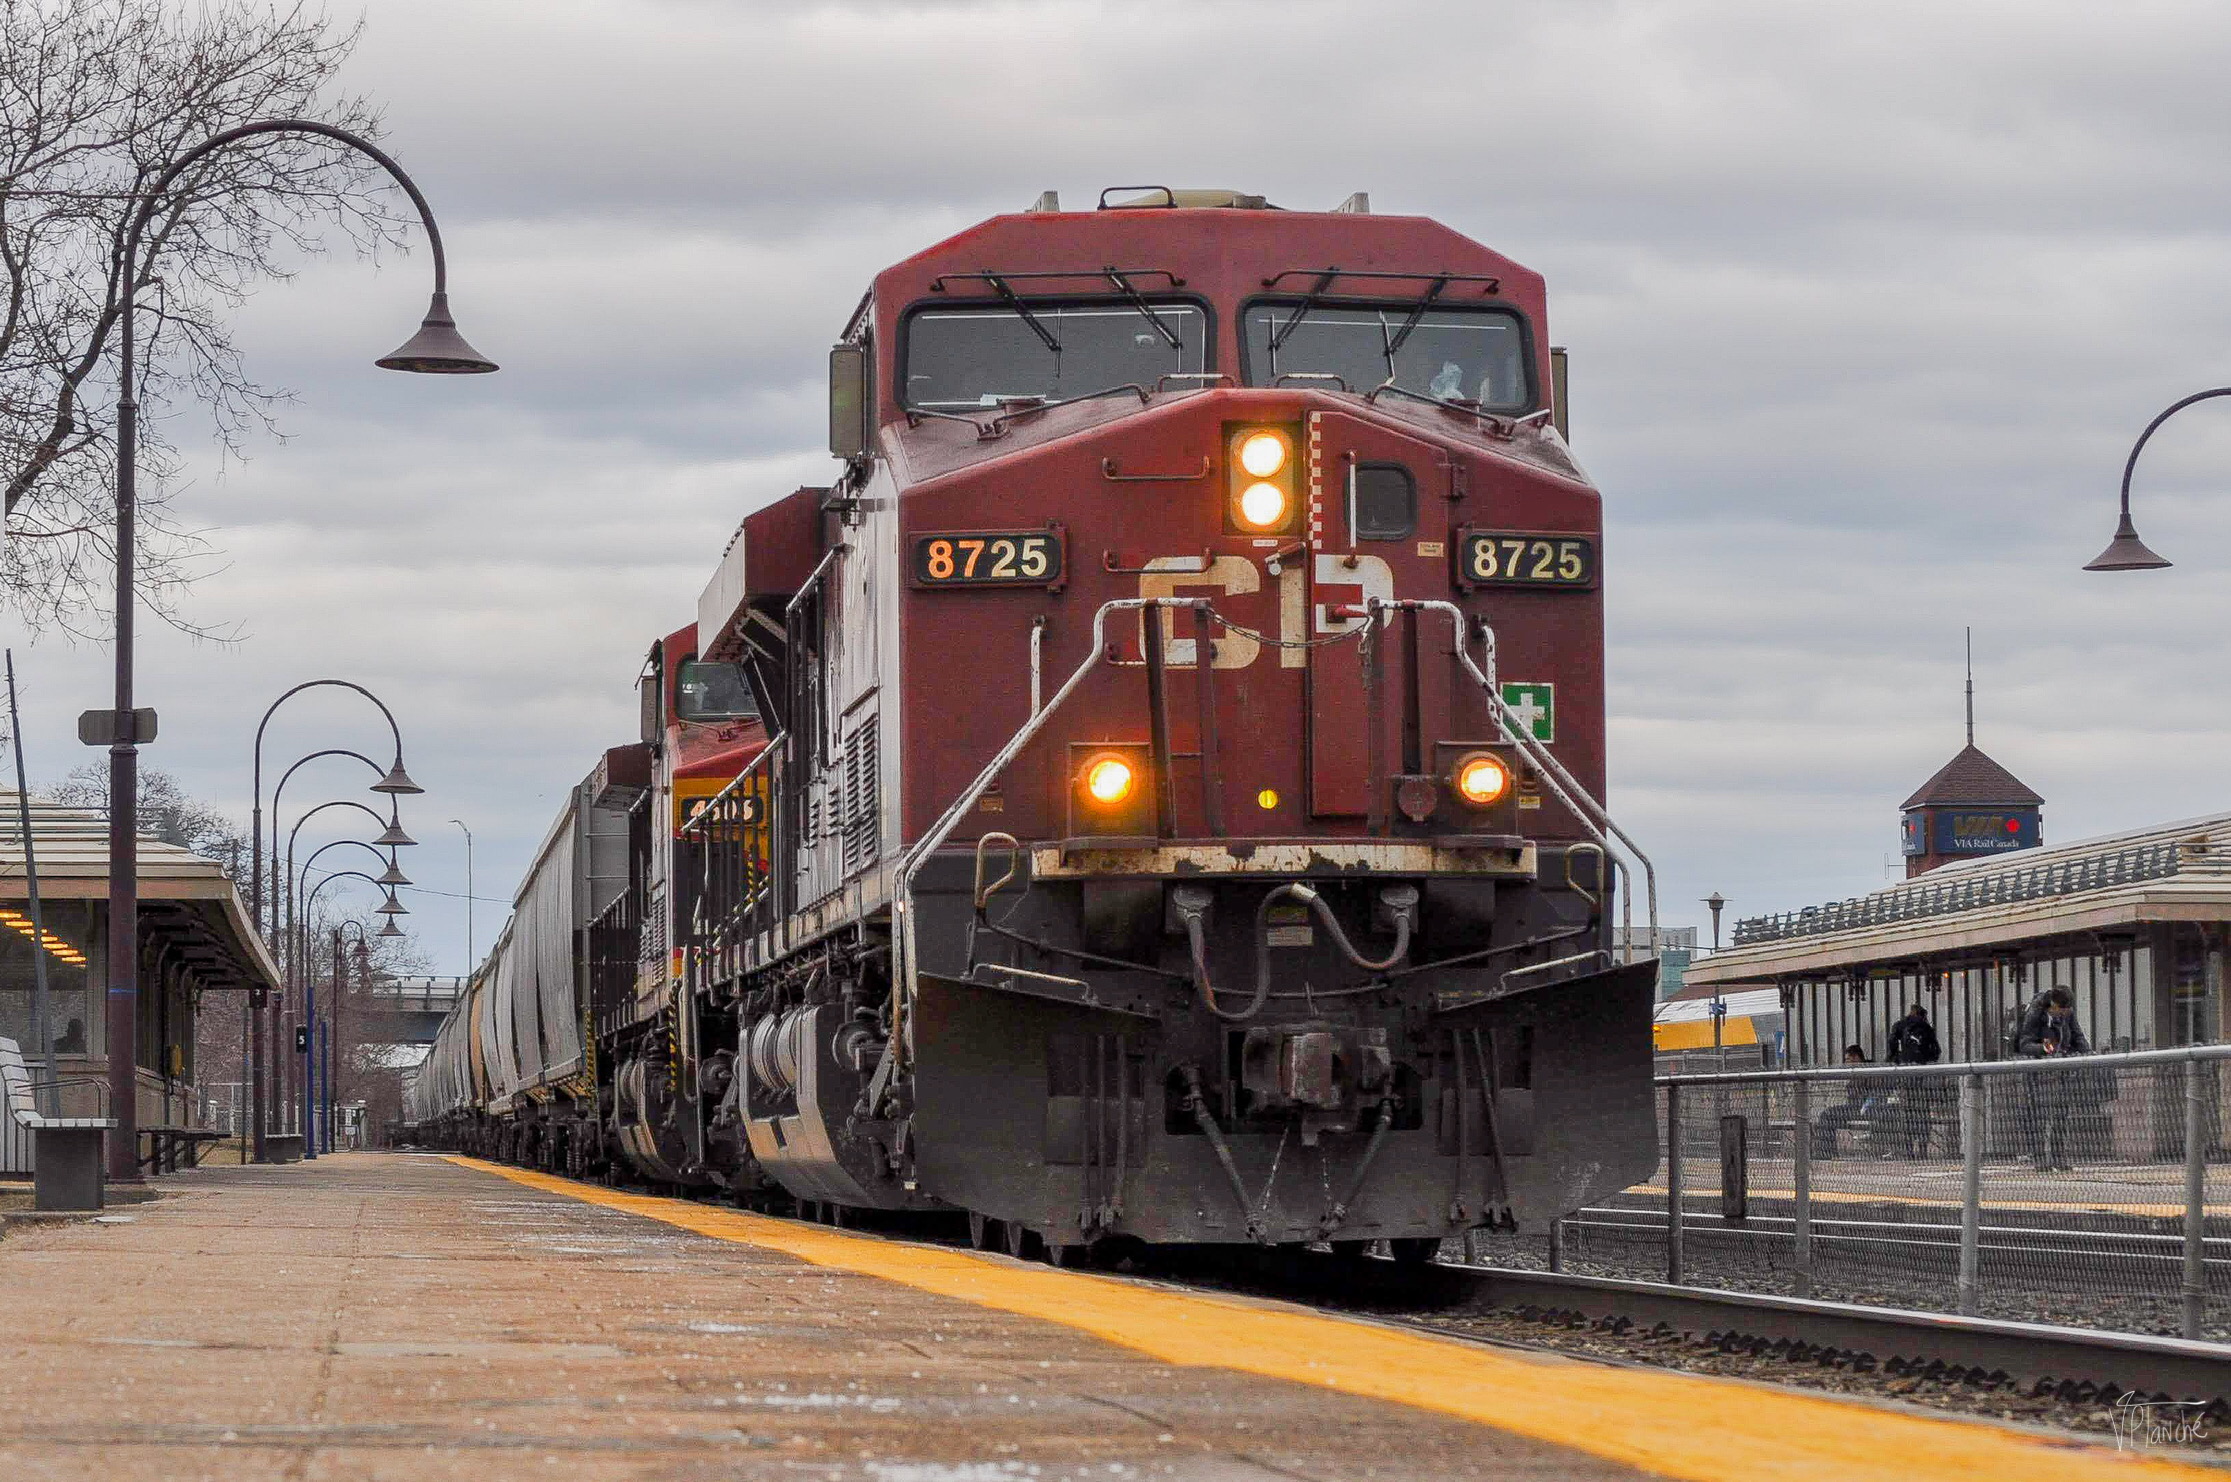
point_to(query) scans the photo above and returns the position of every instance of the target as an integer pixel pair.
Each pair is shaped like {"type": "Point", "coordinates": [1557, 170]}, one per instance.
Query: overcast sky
{"type": "Point", "coordinates": [1866, 303]}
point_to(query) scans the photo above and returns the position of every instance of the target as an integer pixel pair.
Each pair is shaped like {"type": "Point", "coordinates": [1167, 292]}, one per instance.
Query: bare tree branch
{"type": "Point", "coordinates": [96, 98]}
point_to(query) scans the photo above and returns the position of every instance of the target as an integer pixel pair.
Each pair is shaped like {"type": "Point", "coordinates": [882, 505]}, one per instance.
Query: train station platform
{"type": "Point", "coordinates": [384, 1316]}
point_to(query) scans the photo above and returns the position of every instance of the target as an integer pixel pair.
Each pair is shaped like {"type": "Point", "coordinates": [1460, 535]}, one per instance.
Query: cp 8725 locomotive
{"type": "Point", "coordinates": [1181, 815]}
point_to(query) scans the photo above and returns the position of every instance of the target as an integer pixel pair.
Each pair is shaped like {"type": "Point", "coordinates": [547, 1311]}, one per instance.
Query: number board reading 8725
{"type": "Point", "coordinates": [1523, 558]}
{"type": "Point", "coordinates": [988, 558]}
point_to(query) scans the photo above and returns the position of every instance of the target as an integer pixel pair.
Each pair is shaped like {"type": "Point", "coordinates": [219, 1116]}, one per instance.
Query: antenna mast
{"type": "Point", "coordinates": [1971, 686]}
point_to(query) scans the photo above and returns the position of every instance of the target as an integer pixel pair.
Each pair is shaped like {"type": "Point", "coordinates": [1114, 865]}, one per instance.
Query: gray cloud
{"type": "Point", "coordinates": [1867, 302]}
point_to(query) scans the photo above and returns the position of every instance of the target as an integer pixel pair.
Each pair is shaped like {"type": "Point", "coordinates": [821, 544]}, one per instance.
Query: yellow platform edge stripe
{"type": "Point", "coordinates": [1677, 1425]}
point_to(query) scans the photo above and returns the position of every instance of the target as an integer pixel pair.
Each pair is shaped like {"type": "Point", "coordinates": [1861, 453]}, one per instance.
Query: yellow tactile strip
{"type": "Point", "coordinates": [1678, 1425]}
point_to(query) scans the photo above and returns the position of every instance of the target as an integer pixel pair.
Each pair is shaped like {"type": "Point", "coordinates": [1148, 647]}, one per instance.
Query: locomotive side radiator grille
{"type": "Point", "coordinates": [863, 772]}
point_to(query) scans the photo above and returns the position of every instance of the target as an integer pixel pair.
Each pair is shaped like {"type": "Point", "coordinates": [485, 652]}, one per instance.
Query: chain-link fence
{"type": "Point", "coordinates": [2084, 1190]}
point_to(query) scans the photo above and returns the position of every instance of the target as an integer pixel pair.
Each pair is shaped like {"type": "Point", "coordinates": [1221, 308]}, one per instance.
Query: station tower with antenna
{"type": "Point", "coordinates": [1972, 806]}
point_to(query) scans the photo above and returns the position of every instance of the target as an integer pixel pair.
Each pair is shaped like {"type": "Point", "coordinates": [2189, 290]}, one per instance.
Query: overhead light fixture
{"type": "Point", "coordinates": [437, 349]}
{"type": "Point", "coordinates": [2126, 552]}
{"type": "Point", "coordinates": [397, 780]}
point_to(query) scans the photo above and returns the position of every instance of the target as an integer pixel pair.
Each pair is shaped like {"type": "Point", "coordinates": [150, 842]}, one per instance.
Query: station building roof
{"type": "Point", "coordinates": [2170, 872]}
{"type": "Point", "coordinates": [183, 896]}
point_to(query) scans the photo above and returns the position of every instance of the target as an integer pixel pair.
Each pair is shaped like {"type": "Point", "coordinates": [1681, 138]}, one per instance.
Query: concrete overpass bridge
{"type": "Point", "coordinates": [408, 1011]}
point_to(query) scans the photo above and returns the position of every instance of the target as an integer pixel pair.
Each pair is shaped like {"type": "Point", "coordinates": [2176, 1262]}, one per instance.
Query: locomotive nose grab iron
{"type": "Point", "coordinates": [1153, 791]}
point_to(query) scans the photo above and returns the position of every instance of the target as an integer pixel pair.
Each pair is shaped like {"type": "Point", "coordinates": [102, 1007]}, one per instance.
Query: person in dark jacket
{"type": "Point", "coordinates": [1913, 1041]}
{"type": "Point", "coordinates": [2050, 1030]}
{"type": "Point", "coordinates": [1860, 1104]}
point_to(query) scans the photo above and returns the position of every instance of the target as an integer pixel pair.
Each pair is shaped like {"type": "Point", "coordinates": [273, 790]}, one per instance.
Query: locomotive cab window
{"type": "Point", "coordinates": [1382, 502]}
{"type": "Point", "coordinates": [710, 692]}
{"type": "Point", "coordinates": [1462, 355]}
{"type": "Point", "coordinates": [964, 359]}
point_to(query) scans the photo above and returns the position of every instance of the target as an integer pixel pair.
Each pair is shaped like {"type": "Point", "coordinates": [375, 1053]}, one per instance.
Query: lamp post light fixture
{"type": "Point", "coordinates": [391, 876]}
{"type": "Point", "coordinates": [437, 348]}
{"type": "Point", "coordinates": [2126, 552]}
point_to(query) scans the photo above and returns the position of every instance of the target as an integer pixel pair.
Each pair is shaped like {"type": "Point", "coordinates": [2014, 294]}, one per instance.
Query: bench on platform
{"type": "Point", "coordinates": [66, 1151]}
{"type": "Point", "coordinates": [169, 1148]}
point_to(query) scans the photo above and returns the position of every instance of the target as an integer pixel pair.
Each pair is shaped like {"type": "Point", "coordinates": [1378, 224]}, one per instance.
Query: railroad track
{"type": "Point", "coordinates": [2009, 1247]}
{"type": "Point", "coordinates": [2077, 1366]}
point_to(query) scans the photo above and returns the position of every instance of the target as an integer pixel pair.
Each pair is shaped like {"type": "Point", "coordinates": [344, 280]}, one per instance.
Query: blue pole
{"type": "Point", "coordinates": [309, 1068]}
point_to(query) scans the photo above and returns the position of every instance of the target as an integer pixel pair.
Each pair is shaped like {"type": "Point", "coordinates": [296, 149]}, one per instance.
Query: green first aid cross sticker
{"type": "Point", "coordinates": [1533, 706]}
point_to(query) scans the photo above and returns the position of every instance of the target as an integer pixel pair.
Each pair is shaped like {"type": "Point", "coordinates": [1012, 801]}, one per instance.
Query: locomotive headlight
{"type": "Point", "coordinates": [1262, 506]}
{"type": "Point", "coordinates": [1482, 779]}
{"type": "Point", "coordinates": [1108, 779]}
{"type": "Point", "coordinates": [1262, 479]}
{"type": "Point", "coordinates": [1262, 454]}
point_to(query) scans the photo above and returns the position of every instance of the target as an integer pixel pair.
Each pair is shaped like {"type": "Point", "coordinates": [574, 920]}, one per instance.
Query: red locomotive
{"type": "Point", "coordinates": [1180, 820]}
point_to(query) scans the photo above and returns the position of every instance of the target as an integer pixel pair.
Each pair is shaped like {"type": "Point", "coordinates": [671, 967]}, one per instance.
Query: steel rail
{"type": "Point", "coordinates": [2029, 1352]}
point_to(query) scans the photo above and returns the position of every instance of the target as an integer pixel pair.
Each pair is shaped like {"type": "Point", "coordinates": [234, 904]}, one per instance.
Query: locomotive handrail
{"type": "Point", "coordinates": [906, 977]}
{"type": "Point", "coordinates": [766, 755]}
{"type": "Point", "coordinates": [1569, 791]}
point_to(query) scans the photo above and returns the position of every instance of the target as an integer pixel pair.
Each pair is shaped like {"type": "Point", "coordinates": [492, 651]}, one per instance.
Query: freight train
{"type": "Point", "coordinates": [1152, 792]}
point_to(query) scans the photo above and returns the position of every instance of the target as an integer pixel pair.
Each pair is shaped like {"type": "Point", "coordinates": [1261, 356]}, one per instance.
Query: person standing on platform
{"type": "Point", "coordinates": [2050, 1030]}
{"type": "Point", "coordinates": [1913, 1041]}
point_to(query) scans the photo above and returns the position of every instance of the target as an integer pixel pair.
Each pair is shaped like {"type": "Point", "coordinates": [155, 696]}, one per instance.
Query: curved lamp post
{"type": "Point", "coordinates": [387, 783]}
{"type": "Point", "coordinates": [332, 1030]}
{"type": "Point", "coordinates": [437, 348]}
{"type": "Point", "coordinates": [2126, 552]}
{"type": "Point", "coordinates": [393, 780]}
{"type": "Point", "coordinates": [391, 837]}
{"type": "Point", "coordinates": [311, 1081]}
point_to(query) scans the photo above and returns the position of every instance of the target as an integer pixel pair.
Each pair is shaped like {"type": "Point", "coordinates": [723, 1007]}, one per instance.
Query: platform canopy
{"type": "Point", "coordinates": [190, 909]}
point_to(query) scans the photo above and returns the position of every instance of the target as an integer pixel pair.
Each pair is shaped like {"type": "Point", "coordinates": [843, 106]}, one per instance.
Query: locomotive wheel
{"type": "Point", "coordinates": [982, 1231]}
{"type": "Point", "coordinates": [833, 1214]}
{"type": "Point", "coordinates": [1021, 1243]}
{"type": "Point", "coordinates": [1416, 1251]}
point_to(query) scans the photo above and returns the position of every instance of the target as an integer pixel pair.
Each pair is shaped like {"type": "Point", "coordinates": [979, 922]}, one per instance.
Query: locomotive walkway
{"type": "Point", "coordinates": [393, 1316]}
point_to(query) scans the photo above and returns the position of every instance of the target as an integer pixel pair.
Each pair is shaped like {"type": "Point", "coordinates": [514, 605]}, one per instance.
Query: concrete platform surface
{"type": "Point", "coordinates": [388, 1316]}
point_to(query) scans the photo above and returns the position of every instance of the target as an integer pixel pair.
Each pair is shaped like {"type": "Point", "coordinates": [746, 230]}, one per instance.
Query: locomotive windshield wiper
{"type": "Point", "coordinates": [1309, 301]}
{"type": "Point", "coordinates": [1417, 312]}
{"type": "Point", "coordinates": [1327, 276]}
{"type": "Point", "coordinates": [1138, 301]}
{"type": "Point", "coordinates": [1014, 301]}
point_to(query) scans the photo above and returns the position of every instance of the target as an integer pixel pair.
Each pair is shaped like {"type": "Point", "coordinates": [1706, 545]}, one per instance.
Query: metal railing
{"type": "Point", "coordinates": [1997, 887]}
{"type": "Point", "coordinates": [2088, 1190]}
